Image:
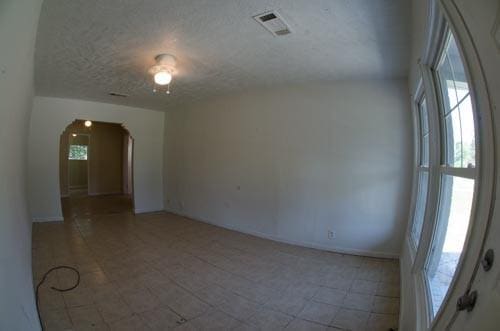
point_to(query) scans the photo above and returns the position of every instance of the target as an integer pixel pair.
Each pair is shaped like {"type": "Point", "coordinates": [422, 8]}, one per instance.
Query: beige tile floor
{"type": "Point", "coordinates": [79, 204]}
{"type": "Point", "coordinates": [162, 271]}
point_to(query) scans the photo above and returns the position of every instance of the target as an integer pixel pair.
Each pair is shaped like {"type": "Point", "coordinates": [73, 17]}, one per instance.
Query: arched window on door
{"type": "Point", "coordinates": [457, 171]}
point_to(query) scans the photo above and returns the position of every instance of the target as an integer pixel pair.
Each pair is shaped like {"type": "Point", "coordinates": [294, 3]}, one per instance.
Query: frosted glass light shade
{"type": "Point", "coordinates": [163, 78]}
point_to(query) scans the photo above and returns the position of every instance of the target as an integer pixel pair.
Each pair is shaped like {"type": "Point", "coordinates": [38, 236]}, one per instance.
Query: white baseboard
{"type": "Point", "coordinates": [294, 242]}
{"type": "Point", "coordinates": [148, 211]}
{"type": "Point", "coordinates": [105, 193]}
{"type": "Point", "coordinates": [48, 219]}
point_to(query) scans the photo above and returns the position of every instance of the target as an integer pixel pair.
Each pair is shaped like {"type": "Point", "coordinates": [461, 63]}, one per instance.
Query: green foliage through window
{"type": "Point", "coordinates": [465, 154]}
{"type": "Point", "coordinates": [77, 152]}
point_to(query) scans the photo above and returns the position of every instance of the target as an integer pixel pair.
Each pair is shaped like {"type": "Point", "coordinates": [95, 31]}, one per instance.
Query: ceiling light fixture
{"type": "Point", "coordinates": [163, 71]}
{"type": "Point", "coordinates": [88, 123]}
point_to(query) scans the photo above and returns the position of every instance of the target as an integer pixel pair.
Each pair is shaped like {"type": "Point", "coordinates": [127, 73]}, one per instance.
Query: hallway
{"type": "Point", "coordinates": [83, 205]}
{"type": "Point", "coordinates": [162, 271]}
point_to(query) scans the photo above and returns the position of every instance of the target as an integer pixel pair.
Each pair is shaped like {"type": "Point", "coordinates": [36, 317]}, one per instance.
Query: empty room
{"type": "Point", "coordinates": [249, 165]}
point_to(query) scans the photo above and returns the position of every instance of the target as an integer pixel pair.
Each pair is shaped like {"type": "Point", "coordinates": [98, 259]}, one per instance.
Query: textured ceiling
{"type": "Point", "coordinates": [88, 48]}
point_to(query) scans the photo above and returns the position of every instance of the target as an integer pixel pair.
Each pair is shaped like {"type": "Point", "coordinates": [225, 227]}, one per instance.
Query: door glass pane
{"type": "Point", "coordinates": [425, 151]}
{"type": "Point", "coordinates": [468, 133]}
{"type": "Point", "coordinates": [418, 220]}
{"type": "Point", "coordinates": [424, 133]}
{"type": "Point", "coordinates": [451, 232]}
{"type": "Point", "coordinates": [424, 118]}
{"type": "Point", "coordinates": [457, 108]}
{"type": "Point", "coordinates": [453, 139]}
{"type": "Point", "coordinates": [452, 77]}
{"type": "Point", "coordinates": [447, 83]}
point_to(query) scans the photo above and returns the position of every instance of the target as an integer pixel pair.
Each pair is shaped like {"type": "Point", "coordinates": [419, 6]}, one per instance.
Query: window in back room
{"type": "Point", "coordinates": [77, 152]}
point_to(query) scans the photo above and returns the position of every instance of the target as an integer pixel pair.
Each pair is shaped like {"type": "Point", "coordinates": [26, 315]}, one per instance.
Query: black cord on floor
{"type": "Point", "coordinates": [54, 288]}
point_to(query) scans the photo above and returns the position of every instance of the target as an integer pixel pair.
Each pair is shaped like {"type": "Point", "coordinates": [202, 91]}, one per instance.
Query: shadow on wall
{"type": "Point", "coordinates": [95, 158]}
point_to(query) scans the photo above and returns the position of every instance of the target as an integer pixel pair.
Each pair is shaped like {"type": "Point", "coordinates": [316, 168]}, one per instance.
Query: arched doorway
{"type": "Point", "coordinates": [95, 169]}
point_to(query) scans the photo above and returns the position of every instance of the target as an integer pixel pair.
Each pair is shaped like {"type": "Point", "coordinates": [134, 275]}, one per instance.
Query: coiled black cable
{"type": "Point", "coordinates": [54, 288]}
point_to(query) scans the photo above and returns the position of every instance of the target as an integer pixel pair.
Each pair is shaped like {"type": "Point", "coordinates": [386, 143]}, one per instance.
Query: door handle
{"type": "Point", "coordinates": [467, 301]}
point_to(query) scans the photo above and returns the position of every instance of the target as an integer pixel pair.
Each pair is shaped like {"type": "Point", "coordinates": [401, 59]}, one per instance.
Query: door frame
{"type": "Point", "coordinates": [88, 160]}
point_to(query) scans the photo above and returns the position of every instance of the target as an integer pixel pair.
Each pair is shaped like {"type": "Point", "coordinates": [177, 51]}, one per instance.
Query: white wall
{"type": "Point", "coordinates": [410, 312]}
{"type": "Point", "coordinates": [49, 119]}
{"type": "Point", "coordinates": [479, 18]}
{"type": "Point", "coordinates": [292, 163]}
{"type": "Point", "coordinates": [420, 11]}
{"type": "Point", "coordinates": [18, 22]}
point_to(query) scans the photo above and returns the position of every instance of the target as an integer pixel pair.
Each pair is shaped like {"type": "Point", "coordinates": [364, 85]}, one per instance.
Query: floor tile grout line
{"type": "Point", "coordinates": [269, 258]}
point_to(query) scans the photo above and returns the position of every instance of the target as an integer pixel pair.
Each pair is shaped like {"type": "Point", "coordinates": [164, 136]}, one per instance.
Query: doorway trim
{"type": "Point", "coordinates": [132, 183]}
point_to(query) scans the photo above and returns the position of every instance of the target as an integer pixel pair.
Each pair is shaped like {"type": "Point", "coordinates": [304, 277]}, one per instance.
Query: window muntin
{"type": "Point", "coordinates": [78, 152]}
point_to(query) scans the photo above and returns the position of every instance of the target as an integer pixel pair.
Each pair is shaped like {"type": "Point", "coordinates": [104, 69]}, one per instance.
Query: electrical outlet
{"type": "Point", "coordinates": [331, 235]}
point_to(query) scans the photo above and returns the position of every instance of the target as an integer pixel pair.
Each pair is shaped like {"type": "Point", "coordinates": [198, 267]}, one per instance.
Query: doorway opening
{"type": "Point", "coordinates": [96, 169]}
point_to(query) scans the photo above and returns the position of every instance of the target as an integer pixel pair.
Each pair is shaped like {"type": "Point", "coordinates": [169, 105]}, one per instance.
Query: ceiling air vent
{"type": "Point", "coordinates": [114, 94]}
{"type": "Point", "coordinates": [273, 22]}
